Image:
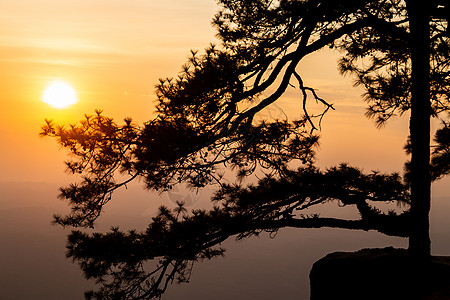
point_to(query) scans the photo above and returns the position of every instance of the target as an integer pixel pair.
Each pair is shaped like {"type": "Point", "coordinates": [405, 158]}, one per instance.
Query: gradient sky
{"type": "Point", "coordinates": [113, 52]}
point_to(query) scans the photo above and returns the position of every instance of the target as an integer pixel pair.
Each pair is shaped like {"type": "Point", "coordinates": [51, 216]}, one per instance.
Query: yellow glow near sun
{"type": "Point", "coordinates": [59, 94]}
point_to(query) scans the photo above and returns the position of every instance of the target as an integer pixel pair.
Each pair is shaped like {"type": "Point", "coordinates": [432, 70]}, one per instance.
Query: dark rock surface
{"type": "Point", "coordinates": [386, 273]}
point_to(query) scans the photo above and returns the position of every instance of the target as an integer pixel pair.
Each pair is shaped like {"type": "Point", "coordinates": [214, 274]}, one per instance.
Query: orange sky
{"type": "Point", "coordinates": [113, 52]}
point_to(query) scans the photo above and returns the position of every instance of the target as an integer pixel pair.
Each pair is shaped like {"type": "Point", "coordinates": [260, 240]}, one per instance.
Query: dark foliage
{"type": "Point", "coordinates": [440, 159]}
{"type": "Point", "coordinates": [208, 117]}
{"type": "Point", "coordinates": [174, 240]}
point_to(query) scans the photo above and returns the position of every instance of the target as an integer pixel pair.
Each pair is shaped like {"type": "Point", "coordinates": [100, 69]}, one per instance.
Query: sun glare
{"type": "Point", "coordinates": [59, 94]}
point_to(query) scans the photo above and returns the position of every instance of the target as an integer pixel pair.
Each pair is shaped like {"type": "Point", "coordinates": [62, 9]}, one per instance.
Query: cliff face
{"type": "Point", "coordinates": [379, 274]}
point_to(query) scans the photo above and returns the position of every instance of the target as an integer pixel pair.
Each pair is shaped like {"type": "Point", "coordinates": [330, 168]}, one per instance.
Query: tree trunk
{"type": "Point", "coordinates": [419, 241]}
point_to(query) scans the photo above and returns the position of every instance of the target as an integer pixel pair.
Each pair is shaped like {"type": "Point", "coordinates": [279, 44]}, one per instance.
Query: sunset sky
{"type": "Point", "coordinates": [112, 52]}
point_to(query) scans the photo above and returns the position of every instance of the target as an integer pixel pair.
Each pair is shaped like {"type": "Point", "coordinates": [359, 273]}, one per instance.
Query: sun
{"type": "Point", "coordinates": [59, 94]}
